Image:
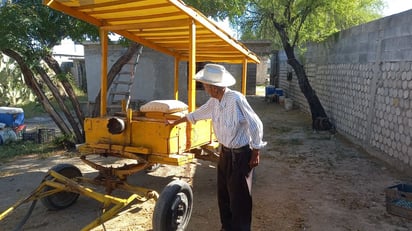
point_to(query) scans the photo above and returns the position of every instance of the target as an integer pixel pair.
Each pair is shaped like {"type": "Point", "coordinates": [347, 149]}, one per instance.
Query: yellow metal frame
{"type": "Point", "coordinates": [173, 28]}
{"type": "Point", "coordinates": [111, 205]}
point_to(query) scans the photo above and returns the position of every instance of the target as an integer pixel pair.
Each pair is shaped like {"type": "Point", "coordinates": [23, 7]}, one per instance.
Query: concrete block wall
{"type": "Point", "coordinates": [392, 125]}
{"type": "Point", "coordinates": [363, 77]}
{"type": "Point", "coordinates": [155, 70]}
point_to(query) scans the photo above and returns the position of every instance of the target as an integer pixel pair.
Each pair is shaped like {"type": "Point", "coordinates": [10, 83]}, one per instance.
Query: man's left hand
{"type": "Point", "coordinates": [254, 160]}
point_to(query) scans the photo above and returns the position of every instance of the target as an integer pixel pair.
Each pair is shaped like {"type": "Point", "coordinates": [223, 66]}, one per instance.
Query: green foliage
{"type": "Point", "coordinates": [65, 141]}
{"type": "Point", "coordinates": [32, 29]}
{"type": "Point", "coordinates": [337, 15]}
{"type": "Point", "coordinates": [32, 109]}
{"type": "Point", "coordinates": [13, 90]}
{"type": "Point", "coordinates": [21, 148]}
{"type": "Point", "coordinates": [218, 9]}
{"type": "Point", "coordinates": [302, 20]}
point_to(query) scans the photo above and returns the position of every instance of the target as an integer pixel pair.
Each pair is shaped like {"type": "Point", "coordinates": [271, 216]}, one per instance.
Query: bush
{"type": "Point", "coordinates": [65, 141]}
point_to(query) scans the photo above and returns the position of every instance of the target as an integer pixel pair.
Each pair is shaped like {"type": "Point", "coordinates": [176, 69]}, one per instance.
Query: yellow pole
{"type": "Point", "coordinates": [244, 75]}
{"type": "Point", "coordinates": [192, 67]}
{"type": "Point", "coordinates": [103, 77]}
{"type": "Point", "coordinates": [176, 90]}
{"type": "Point", "coordinates": [191, 83]}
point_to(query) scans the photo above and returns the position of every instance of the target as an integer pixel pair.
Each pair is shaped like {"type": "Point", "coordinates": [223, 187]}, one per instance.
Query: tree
{"type": "Point", "coordinates": [293, 23]}
{"type": "Point", "coordinates": [28, 33]}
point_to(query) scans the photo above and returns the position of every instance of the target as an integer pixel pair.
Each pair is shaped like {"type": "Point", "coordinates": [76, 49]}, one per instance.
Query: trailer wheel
{"type": "Point", "coordinates": [61, 200]}
{"type": "Point", "coordinates": [174, 207]}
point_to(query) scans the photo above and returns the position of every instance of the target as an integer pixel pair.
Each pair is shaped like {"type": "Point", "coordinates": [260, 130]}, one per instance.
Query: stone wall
{"type": "Point", "coordinates": [363, 77]}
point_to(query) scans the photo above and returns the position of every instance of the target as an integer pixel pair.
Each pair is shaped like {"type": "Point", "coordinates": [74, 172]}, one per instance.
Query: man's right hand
{"type": "Point", "coordinates": [175, 122]}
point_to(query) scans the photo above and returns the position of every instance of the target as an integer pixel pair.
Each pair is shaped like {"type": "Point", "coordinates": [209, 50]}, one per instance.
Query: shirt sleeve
{"type": "Point", "coordinates": [255, 126]}
{"type": "Point", "coordinates": [202, 113]}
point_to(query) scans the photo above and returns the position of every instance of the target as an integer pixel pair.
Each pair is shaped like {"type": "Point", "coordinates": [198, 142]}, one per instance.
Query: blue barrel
{"type": "Point", "coordinates": [11, 116]}
{"type": "Point", "coordinates": [269, 90]}
{"type": "Point", "coordinates": [279, 91]}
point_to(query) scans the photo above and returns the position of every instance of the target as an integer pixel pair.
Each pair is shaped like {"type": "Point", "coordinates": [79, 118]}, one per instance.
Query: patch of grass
{"type": "Point", "coordinates": [21, 148]}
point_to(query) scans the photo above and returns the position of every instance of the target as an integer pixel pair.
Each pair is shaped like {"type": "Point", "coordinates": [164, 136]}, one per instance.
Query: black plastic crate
{"type": "Point", "coordinates": [40, 136]}
{"type": "Point", "coordinates": [399, 200]}
{"type": "Point", "coordinates": [45, 135]}
{"type": "Point", "coordinates": [30, 136]}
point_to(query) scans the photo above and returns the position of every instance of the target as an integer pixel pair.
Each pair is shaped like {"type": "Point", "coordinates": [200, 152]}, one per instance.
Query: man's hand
{"type": "Point", "coordinates": [254, 159]}
{"type": "Point", "coordinates": [178, 121]}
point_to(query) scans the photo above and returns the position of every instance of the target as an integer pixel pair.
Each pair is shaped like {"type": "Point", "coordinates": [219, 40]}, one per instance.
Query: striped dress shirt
{"type": "Point", "coordinates": [235, 124]}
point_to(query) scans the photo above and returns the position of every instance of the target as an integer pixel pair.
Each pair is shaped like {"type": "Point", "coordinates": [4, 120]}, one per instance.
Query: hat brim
{"type": "Point", "coordinates": [227, 79]}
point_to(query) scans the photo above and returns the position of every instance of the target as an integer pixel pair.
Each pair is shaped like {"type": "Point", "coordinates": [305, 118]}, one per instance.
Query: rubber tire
{"type": "Point", "coordinates": [174, 207]}
{"type": "Point", "coordinates": [61, 200]}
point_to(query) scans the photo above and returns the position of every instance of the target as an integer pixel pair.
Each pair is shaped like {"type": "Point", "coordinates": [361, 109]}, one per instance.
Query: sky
{"type": "Point", "coordinates": [396, 6]}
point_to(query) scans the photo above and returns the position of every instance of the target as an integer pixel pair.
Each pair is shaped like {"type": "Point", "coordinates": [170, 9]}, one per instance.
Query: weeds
{"type": "Point", "coordinates": [21, 148]}
{"type": "Point", "coordinates": [65, 141]}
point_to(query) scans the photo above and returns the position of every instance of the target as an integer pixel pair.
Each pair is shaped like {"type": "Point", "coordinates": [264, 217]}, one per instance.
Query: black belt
{"type": "Point", "coordinates": [245, 148]}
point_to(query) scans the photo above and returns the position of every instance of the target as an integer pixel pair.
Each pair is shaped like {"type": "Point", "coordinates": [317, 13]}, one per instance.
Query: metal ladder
{"type": "Point", "coordinates": [121, 87]}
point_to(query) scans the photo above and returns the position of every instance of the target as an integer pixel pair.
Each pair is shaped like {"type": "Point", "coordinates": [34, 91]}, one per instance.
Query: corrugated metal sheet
{"type": "Point", "coordinates": [163, 25]}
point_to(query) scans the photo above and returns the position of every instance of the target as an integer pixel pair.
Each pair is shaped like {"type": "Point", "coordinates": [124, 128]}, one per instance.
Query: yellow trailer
{"type": "Point", "coordinates": [175, 29]}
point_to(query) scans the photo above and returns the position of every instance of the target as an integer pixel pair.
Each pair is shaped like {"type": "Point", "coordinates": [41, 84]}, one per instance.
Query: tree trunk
{"type": "Point", "coordinates": [316, 108]}
{"type": "Point", "coordinates": [315, 105]}
{"type": "Point", "coordinates": [60, 102]}
{"type": "Point", "coordinates": [114, 70]}
{"type": "Point", "coordinates": [34, 86]}
{"type": "Point", "coordinates": [54, 65]}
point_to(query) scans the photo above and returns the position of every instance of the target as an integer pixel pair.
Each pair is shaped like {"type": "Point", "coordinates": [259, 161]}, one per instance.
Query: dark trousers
{"type": "Point", "coordinates": [234, 180]}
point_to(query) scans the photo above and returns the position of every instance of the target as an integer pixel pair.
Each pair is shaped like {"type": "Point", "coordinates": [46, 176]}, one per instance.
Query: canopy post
{"type": "Point", "coordinates": [103, 88]}
{"type": "Point", "coordinates": [176, 83]}
{"type": "Point", "coordinates": [191, 81]}
{"type": "Point", "coordinates": [192, 67]}
{"type": "Point", "coordinates": [244, 75]}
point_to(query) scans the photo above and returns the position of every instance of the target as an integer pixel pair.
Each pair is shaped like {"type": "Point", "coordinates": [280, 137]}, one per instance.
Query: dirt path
{"type": "Point", "coordinates": [306, 181]}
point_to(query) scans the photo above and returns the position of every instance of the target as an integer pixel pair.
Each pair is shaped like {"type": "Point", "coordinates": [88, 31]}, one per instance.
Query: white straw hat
{"type": "Point", "coordinates": [215, 74]}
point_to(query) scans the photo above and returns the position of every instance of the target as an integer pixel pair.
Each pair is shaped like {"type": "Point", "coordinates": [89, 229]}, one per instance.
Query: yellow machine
{"type": "Point", "coordinates": [173, 28]}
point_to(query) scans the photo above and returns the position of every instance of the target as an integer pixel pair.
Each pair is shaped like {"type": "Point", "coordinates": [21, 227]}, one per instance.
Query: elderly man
{"type": "Point", "coordinates": [239, 131]}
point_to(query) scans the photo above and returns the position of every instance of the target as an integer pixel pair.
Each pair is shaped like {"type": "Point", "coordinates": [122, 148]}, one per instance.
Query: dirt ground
{"type": "Point", "coordinates": [306, 181]}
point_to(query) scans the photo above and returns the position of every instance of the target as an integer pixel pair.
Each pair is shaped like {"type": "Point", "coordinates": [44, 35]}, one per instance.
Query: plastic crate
{"type": "Point", "coordinates": [45, 135]}
{"type": "Point", "coordinates": [399, 200]}
{"type": "Point", "coordinates": [42, 135]}
{"type": "Point", "coordinates": [30, 136]}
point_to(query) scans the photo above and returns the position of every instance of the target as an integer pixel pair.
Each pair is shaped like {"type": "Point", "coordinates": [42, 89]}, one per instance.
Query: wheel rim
{"type": "Point", "coordinates": [179, 211]}
{"type": "Point", "coordinates": [173, 207]}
